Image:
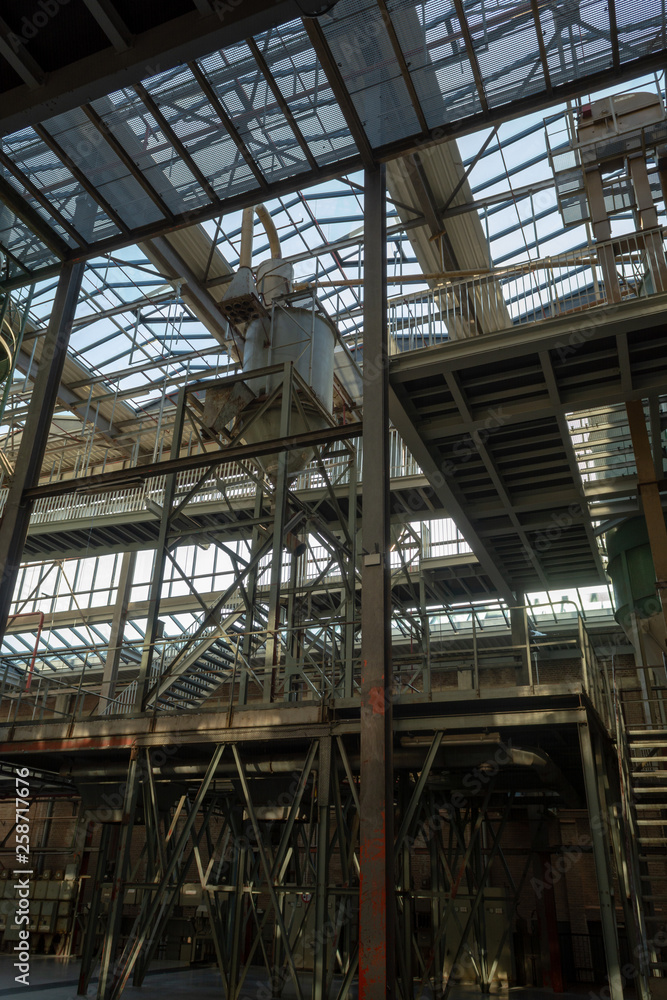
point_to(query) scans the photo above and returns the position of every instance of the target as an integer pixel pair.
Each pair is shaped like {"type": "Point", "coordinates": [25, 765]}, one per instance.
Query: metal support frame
{"type": "Point", "coordinates": [279, 516]}
{"type": "Point", "coordinates": [116, 635]}
{"type": "Point", "coordinates": [16, 514]}
{"type": "Point", "coordinates": [146, 928]}
{"type": "Point", "coordinates": [377, 884]}
{"type": "Point", "coordinates": [521, 644]}
{"type": "Point", "coordinates": [112, 934]}
{"type": "Point", "coordinates": [291, 637]}
{"type": "Point", "coordinates": [601, 852]}
{"type": "Point", "coordinates": [152, 628]}
{"type": "Point", "coordinates": [649, 490]}
{"type": "Point", "coordinates": [550, 956]}
{"type": "Point", "coordinates": [321, 885]}
{"type": "Point", "coordinates": [624, 835]}
{"type": "Point", "coordinates": [92, 918]}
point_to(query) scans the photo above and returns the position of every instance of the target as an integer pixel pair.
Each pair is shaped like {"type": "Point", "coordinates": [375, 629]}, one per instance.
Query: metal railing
{"type": "Point", "coordinates": [237, 485]}
{"type": "Point", "coordinates": [312, 663]}
{"type": "Point", "coordinates": [630, 266]}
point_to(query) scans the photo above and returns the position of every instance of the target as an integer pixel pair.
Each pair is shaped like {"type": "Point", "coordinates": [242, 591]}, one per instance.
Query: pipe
{"type": "Point", "coordinates": [547, 771]}
{"type": "Point", "coordinates": [264, 767]}
{"type": "Point", "coordinates": [264, 216]}
{"type": "Point", "coordinates": [245, 256]}
{"type": "Point", "coordinates": [539, 762]}
{"type": "Point", "coordinates": [31, 614]}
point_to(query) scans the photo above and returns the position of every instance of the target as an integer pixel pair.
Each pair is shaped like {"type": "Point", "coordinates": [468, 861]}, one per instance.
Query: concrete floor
{"type": "Point", "coordinates": [56, 979]}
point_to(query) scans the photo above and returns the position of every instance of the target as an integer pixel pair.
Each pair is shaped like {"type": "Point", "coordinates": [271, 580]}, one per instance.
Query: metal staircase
{"type": "Point", "coordinates": [642, 758]}
{"type": "Point", "coordinates": [182, 682]}
{"type": "Point", "coordinates": [647, 772]}
{"type": "Point", "coordinates": [200, 674]}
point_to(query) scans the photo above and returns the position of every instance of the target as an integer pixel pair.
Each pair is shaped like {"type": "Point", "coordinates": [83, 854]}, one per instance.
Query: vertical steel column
{"type": "Point", "coordinates": [119, 620]}
{"type": "Point", "coordinates": [650, 495]}
{"type": "Point", "coordinates": [90, 934]}
{"type": "Point", "coordinates": [351, 600]}
{"type": "Point", "coordinates": [477, 865]}
{"type": "Point", "coordinates": [251, 591]}
{"type": "Point", "coordinates": [599, 837]}
{"type": "Point", "coordinates": [406, 892]}
{"type": "Point", "coordinates": [550, 955]}
{"type": "Point", "coordinates": [322, 939]}
{"type": "Point", "coordinates": [112, 935]}
{"type": "Point", "coordinates": [292, 642]}
{"type": "Point", "coordinates": [155, 593]}
{"type": "Point", "coordinates": [237, 914]}
{"type": "Point", "coordinates": [376, 888]}
{"type": "Point", "coordinates": [625, 849]}
{"type": "Point", "coordinates": [83, 842]}
{"type": "Point", "coordinates": [426, 633]}
{"type": "Point", "coordinates": [521, 644]}
{"type": "Point", "coordinates": [602, 233]}
{"type": "Point", "coordinates": [437, 908]}
{"type": "Point", "coordinates": [280, 513]}
{"type": "Point", "coordinates": [16, 515]}
{"type": "Point", "coordinates": [648, 220]}
{"type": "Point", "coordinates": [145, 922]}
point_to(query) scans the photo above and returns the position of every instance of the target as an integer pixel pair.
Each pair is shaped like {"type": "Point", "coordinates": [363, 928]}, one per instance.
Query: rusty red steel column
{"type": "Point", "coordinates": [376, 893]}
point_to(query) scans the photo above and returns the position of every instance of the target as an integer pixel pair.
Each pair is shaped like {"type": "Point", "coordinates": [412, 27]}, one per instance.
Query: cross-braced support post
{"type": "Point", "coordinates": [112, 935]}
{"type": "Point", "coordinates": [152, 625]}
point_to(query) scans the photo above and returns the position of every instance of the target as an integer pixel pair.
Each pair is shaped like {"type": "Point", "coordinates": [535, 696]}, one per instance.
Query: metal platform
{"type": "Point", "coordinates": [486, 419]}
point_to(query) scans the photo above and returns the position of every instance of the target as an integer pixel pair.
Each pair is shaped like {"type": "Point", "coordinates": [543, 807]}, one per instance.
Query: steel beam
{"type": "Point", "coordinates": [236, 453]}
{"type": "Point", "coordinates": [112, 935]}
{"type": "Point", "coordinates": [172, 265]}
{"type": "Point", "coordinates": [649, 490]}
{"type": "Point", "coordinates": [16, 516]}
{"type": "Point", "coordinates": [148, 654]}
{"type": "Point", "coordinates": [550, 954]}
{"type": "Point", "coordinates": [272, 650]}
{"type": "Point", "coordinates": [118, 622]}
{"type": "Point", "coordinates": [172, 137]}
{"type": "Point", "coordinates": [280, 101]}
{"type": "Point", "coordinates": [228, 124]}
{"type": "Point", "coordinates": [111, 23]}
{"type": "Point", "coordinates": [341, 93]}
{"type": "Point", "coordinates": [90, 933]}
{"type": "Point", "coordinates": [430, 463]}
{"type": "Point", "coordinates": [136, 943]}
{"type": "Point", "coordinates": [376, 890]}
{"type": "Point", "coordinates": [599, 835]}
{"type": "Point", "coordinates": [22, 208]}
{"type": "Point", "coordinates": [269, 878]}
{"type": "Point", "coordinates": [322, 877]}
{"type": "Point", "coordinates": [161, 47]}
